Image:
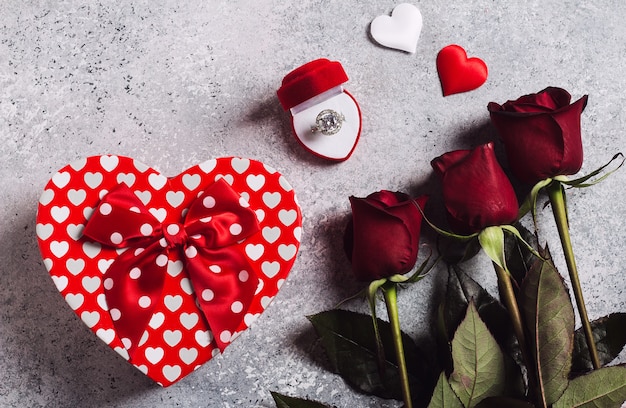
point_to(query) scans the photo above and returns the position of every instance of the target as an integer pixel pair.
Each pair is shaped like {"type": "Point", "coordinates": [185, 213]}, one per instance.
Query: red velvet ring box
{"type": "Point", "coordinates": [326, 119]}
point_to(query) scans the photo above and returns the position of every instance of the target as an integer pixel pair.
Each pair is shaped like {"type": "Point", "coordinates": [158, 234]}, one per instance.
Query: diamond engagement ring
{"type": "Point", "coordinates": [328, 122]}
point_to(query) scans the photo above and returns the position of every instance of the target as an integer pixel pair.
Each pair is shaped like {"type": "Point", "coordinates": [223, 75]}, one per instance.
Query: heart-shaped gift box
{"type": "Point", "coordinates": [168, 271]}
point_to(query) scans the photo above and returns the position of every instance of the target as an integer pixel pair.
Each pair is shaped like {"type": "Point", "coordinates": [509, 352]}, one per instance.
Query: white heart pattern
{"type": "Point", "coordinates": [177, 339]}
{"type": "Point", "coordinates": [191, 181]}
{"type": "Point", "coordinates": [401, 30]}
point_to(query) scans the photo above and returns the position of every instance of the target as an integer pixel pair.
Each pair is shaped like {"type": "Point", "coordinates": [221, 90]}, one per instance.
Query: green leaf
{"type": "Point", "coordinates": [499, 402]}
{"type": "Point", "coordinates": [478, 361]}
{"type": "Point", "coordinates": [283, 401]}
{"type": "Point", "coordinates": [455, 252]}
{"type": "Point", "coordinates": [549, 317]}
{"type": "Point", "coordinates": [609, 333]}
{"type": "Point", "coordinates": [350, 343]}
{"type": "Point", "coordinates": [460, 290]}
{"type": "Point", "coordinates": [443, 396]}
{"type": "Point", "coordinates": [603, 388]}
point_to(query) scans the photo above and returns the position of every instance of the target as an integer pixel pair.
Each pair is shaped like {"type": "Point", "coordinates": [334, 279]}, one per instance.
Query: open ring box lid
{"type": "Point", "coordinates": [312, 88]}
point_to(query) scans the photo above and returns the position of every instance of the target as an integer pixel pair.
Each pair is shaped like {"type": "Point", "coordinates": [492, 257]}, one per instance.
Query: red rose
{"type": "Point", "coordinates": [476, 192]}
{"type": "Point", "coordinates": [541, 134]}
{"type": "Point", "coordinates": [382, 238]}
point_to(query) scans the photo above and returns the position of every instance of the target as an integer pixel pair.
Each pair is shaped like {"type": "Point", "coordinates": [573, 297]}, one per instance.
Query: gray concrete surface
{"type": "Point", "coordinates": [175, 83]}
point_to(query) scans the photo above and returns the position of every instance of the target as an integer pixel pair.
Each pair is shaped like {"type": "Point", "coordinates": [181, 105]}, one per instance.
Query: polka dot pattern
{"type": "Point", "coordinates": [175, 340]}
{"type": "Point", "coordinates": [235, 229]}
{"type": "Point", "coordinates": [135, 273]}
{"type": "Point", "coordinates": [208, 202]}
{"type": "Point", "coordinates": [116, 238]}
{"type": "Point", "coordinates": [236, 307]}
{"type": "Point", "coordinates": [146, 229]}
{"type": "Point", "coordinates": [208, 295]}
{"type": "Point", "coordinates": [105, 209]}
{"type": "Point", "coordinates": [162, 260]}
{"type": "Point", "coordinates": [144, 301]}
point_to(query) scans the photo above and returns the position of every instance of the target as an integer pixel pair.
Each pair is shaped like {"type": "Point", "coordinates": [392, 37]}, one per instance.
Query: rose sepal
{"type": "Point", "coordinates": [581, 181]}
{"type": "Point", "coordinates": [487, 231]}
{"type": "Point", "coordinates": [515, 232]}
{"type": "Point", "coordinates": [371, 291]}
{"type": "Point", "coordinates": [419, 274]}
{"type": "Point", "coordinates": [530, 203]}
{"type": "Point", "coordinates": [443, 232]}
{"type": "Point", "coordinates": [491, 240]}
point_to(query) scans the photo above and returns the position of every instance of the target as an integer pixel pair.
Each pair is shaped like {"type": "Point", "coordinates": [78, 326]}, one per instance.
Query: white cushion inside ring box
{"type": "Point", "coordinates": [337, 146]}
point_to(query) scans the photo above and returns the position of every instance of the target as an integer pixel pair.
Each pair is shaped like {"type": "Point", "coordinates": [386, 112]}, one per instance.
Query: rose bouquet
{"type": "Point", "coordinates": [521, 350]}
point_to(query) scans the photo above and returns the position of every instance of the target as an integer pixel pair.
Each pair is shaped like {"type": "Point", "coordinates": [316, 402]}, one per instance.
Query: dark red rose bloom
{"type": "Point", "coordinates": [476, 192]}
{"type": "Point", "coordinates": [382, 238]}
{"type": "Point", "coordinates": [541, 134]}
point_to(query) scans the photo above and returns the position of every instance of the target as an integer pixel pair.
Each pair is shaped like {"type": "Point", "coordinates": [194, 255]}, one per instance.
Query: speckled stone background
{"type": "Point", "coordinates": [174, 83]}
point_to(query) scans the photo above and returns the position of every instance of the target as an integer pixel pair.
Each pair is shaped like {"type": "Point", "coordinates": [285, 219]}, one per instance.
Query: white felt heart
{"type": "Point", "coordinates": [401, 30]}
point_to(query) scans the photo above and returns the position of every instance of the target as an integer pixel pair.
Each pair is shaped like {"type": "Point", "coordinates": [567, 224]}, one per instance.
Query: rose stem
{"type": "Point", "coordinates": [391, 301]}
{"type": "Point", "coordinates": [557, 199]}
{"type": "Point", "coordinates": [505, 287]}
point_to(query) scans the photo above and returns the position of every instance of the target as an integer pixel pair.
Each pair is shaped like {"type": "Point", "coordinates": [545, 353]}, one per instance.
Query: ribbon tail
{"type": "Point", "coordinates": [133, 288]}
{"type": "Point", "coordinates": [224, 287]}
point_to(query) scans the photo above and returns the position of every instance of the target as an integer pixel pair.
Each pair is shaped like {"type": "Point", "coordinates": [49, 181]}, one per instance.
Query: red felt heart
{"type": "Point", "coordinates": [177, 339]}
{"type": "Point", "coordinates": [457, 73]}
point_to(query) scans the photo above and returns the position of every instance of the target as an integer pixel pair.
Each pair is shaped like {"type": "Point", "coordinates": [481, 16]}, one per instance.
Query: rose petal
{"type": "Point", "coordinates": [442, 163]}
{"type": "Point", "coordinates": [476, 192]}
{"type": "Point", "coordinates": [541, 144]}
{"type": "Point", "coordinates": [381, 242]}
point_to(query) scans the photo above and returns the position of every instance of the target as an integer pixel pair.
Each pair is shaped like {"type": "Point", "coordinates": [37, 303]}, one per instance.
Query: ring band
{"type": "Point", "coordinates": [328, 122]}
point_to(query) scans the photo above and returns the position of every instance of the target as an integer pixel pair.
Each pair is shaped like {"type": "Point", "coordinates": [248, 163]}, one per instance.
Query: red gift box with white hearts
{"type": "Point", "coordinates": [168, 271]}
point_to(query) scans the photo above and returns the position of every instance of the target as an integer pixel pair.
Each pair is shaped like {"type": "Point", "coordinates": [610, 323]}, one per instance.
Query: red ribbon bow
{"type": "Point", "coordinates": [220, 274]}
